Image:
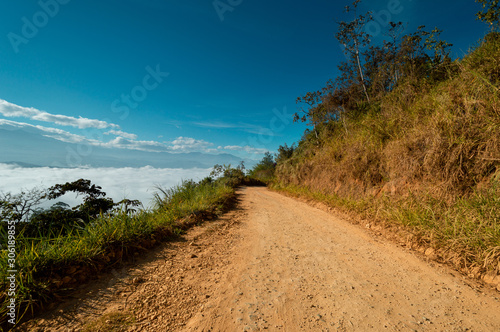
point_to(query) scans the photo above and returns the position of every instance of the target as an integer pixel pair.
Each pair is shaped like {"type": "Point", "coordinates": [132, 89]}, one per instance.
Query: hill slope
{"type": "Point", "coordinates": [424, 156]}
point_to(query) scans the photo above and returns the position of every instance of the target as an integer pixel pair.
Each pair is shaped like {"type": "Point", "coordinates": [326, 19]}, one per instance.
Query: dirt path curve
{"type": "Point", "coordinates": [278, 264]}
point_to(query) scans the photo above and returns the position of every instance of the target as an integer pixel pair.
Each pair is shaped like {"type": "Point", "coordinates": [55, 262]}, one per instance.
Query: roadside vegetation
{"type": "Point", "coordinates": [61, 247]}
{"type": "Point", "coordinates": [408, 137]}
{"type": "Point", "coordinates": [264, 170]}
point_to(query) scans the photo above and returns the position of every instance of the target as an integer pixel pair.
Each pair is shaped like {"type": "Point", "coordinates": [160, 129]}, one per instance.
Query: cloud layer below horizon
{"type": "Point", "coordinates": [117, 183]}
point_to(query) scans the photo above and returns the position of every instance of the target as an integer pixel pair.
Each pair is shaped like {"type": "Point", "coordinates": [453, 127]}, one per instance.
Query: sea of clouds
{"type": "Point", "coordinates": [117, 183]}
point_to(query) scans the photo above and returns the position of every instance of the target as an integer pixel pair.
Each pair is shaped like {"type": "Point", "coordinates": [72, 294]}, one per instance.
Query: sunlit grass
{"type": "Point", "coordinates": [38, 257]}
{"type": "Point", "coordinates": [470, 226]}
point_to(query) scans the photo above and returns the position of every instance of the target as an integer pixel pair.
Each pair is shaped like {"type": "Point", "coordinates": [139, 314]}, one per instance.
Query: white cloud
{"type": "Point", "coordinates": [246, 127]}
{"type": "Point", "coordinates": [127, 140]}
{"type": "Point", "coordinates": [211, 151]}
{"type": "Point", "coordinates": [123, 140]}
{"type": "Point", "coordinates": [187, 144]}
{"type": "Point", "coordinates": [181, 144]}
{"type": "Point", "coordinates": [64, 136]}
{"type": "Point", "coordinates": [117, 183]}
{"type": "Point", "coordinates": [124, 143]}
{"type": "Point", "coordinates": [11, 110]}
{"type": "Point", "coordinates": [55, 133]}
{"type": "Point", "coordinates": [121, 134]}
{"type": "Point", "coordinates": [216, 124]}
{"type": "Point", "coordinates": [245, 148]}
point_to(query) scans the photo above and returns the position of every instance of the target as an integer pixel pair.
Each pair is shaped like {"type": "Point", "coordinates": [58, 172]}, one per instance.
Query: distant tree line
{"type": "Point", "coordinates": [264, 170]}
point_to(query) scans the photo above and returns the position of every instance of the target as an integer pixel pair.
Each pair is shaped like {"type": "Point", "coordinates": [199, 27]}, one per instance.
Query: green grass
{"type": "Point", "coordinates": [42, 262]}
{"type": "Point", "coordinates": [467, 229]}
{"type": "Point", "coordinates": [470, 226]}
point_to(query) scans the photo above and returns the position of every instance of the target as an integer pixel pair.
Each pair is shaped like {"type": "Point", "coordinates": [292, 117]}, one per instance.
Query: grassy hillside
{"type": "Point", "coordinates": [423, 156]}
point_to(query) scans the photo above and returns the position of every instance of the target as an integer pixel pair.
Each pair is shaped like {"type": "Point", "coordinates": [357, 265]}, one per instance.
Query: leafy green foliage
{"type": "Point", "coordinates": [490, 13]}
{"type": "Point", "coordinates": [231, 176]}
{"type": "Point", "coordinates": [285, 152]}
{"type": "Point", "coordinates": [59, 219]}
{"type": "Point", "coordinates": [264, 170]}
{"type": "Point", "coordinates": [94, 201]}
{"type": "Point", "coordinates": [20, 207]}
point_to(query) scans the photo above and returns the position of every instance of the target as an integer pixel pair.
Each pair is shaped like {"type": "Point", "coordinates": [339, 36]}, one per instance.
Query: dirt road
{"type": "Point", "coordinates": [278, 264]}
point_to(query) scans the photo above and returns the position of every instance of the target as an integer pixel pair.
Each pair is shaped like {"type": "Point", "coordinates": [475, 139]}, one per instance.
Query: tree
{"type": "Point", "coordinates": [128, 206]}
{"type": "Point", "coordinates": [371, 71]}
{"type": "Point", "coordinates": [285, 152]}
{"type": "Point", "coordinates": [268, 161]}
{"type": "Point", "coordinates": [353, 37]}
{"type": "Point", "coordinates": [20, 207]}
{"type": "Point", "coordinates": [33, 221]}
{"type": "Point", "coordinates": [490, 13]}
{"type": "Point", "coordinates": [265, 168]}
{"type": "Point", "coordinates": [59, 219]}
{"type": "Point", "coordinates": [232, 176]}
{"type": "Point", "coordinates": [94, 202]}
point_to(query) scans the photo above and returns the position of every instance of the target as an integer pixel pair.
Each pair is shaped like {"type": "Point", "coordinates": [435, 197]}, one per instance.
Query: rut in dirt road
{"type": "Point", "coordinates": [298, 268]}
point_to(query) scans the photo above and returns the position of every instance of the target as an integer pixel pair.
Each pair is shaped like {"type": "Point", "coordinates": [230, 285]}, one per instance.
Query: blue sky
{"type": "Point", "coordinates": [184, 75]}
